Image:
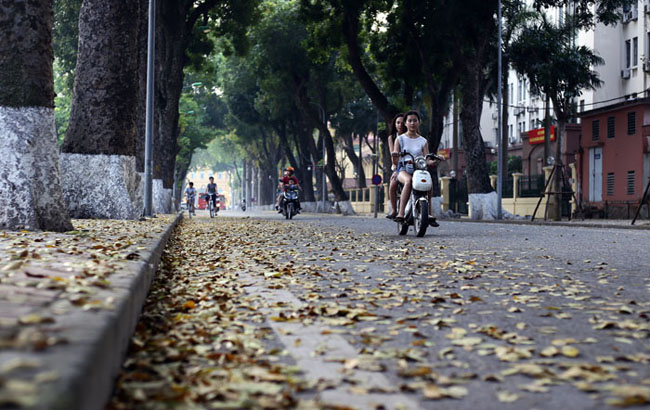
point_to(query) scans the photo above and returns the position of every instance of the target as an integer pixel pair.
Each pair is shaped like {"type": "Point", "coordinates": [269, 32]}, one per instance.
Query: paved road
{"type": "Point", "coordinates": [472, 316]}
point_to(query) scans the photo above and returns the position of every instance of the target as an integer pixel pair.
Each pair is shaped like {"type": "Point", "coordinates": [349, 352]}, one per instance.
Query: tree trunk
{"type": "Point", "coordinates": [172, 33]}
{"type": "Point", "coordinates": [306, 163]}
{"type": "Point", "coordinates": [104, 106]}
{"type": "Point", "coordinates": [348, 147]}
{"type": "Point", "coordinates": [478, 180]}
{"type": "Point", "coordinates": [30, 181]}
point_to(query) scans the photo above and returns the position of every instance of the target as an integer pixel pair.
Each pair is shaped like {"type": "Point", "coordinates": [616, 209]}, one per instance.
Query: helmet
{"type": "Point", "coordinates": [290, 169]}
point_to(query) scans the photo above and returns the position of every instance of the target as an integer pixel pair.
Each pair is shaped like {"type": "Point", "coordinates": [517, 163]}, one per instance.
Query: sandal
{"type": "Point", "coordinates": [398, 219]}
{"type": "Point", "coordinates": [391, 216]}
{"type": "Point", "coordinates": [432, 222]}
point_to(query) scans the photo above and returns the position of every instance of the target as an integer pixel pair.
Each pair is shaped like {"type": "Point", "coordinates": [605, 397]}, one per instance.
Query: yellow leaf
{"type": "Point", "coordinates": [570, 351]}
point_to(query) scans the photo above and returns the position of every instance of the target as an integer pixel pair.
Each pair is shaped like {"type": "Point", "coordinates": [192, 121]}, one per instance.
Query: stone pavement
{"type": "Point", "coordinates": [69, 303]}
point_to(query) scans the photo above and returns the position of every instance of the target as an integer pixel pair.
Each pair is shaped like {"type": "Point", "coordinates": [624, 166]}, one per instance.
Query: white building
{"type": "Point", "coordinates": [625, 49]}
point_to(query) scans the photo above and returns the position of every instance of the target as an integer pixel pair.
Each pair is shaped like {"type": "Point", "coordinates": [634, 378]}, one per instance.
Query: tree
{"type": "Point", "coordinates": [558, 68]}
{"type": "Point", "coordinates": [343, 26]}
{"type": "Point", "coordinates": [181, 43]}
{"type": "Point", "coordinates": [103, 113]}
{"type": "Point", "coordinates": [30, 182]}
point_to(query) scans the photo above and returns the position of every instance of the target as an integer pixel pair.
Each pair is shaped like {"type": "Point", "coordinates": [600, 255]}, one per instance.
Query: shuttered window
{"type": "Point", "coordinates": [610, 184]}
{"type": "Point", "coordinates": [595, 130]}
{"type": "Point", "coordinates": [611, 127]}
{"type": "Point", "coordinates": [631, 123]}
{"type": "Point", "coordinates": [631, 179]}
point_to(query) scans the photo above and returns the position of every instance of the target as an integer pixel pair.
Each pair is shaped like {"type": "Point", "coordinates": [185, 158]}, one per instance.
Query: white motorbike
{"type": "Point", "coordinates": [416, 213]}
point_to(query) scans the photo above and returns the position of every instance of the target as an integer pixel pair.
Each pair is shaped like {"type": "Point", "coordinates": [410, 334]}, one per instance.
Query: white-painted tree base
{"type": "Point", "coordinates": [101, 186]}
{"type": "Point", "coordinates": [162, 197]}
{"type": "Point", "coordinates": [484, 206]}
{"type": "Point", "coordinates": [30, 182]}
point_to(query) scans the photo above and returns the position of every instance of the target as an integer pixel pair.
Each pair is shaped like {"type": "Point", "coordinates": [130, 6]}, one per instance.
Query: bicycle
{"type": "Point", "coordinates": [190, 206]}
{"type": "Point", "coordinates": [211, 206]}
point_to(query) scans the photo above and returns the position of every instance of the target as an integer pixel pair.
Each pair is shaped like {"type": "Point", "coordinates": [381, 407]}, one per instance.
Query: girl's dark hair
{"type": "Point", "coordinates": [412, 112]}
{"type": "Point", "coordinates": [393, 131]}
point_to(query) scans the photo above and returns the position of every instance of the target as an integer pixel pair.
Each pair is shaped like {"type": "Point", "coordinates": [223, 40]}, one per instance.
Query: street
{"type": "Point", "coordinates": [252, 310]}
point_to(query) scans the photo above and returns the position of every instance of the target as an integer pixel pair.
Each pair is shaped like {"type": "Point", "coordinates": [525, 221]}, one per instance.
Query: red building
{"type": "Point", "coordinates": [614, 160]}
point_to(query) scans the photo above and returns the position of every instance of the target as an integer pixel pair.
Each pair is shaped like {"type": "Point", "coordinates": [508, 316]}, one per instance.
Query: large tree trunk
{"type": "Point", "coordinates": [478, 180]}
{"type": "Point", "coordinates": [172, 36]}
{"type": "Point", "coordinates": [104, 106]}
{"type": "Point", "coordinates": [348, 147]}
{"type": "Point", "coordinates": [30, 184]}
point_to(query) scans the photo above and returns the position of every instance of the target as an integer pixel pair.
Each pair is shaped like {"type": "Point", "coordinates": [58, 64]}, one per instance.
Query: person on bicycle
{"type": "Point", "coordinates": [190, 195]}
{"type": "Point", "coordinates": [212, 193]}
{"type": "Point", "coordinates": [284, 181]}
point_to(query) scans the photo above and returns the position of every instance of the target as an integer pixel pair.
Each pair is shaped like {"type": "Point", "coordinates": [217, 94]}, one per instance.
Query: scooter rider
{"type": "Point", "coordinates": [284, 181]}
{"type": "Point", "coordinates": [416, 145]}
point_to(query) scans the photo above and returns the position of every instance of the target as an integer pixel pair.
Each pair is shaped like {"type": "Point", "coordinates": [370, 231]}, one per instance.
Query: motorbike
{"type": "Point", "coordinates": [243, 205]}
{"type": "Point", "coordinates": [289, 204]}
{"type": "Point", "coordinates": [416, 213]}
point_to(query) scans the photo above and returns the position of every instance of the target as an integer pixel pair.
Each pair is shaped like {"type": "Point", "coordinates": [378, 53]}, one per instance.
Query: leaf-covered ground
{"type": "Point", "coordinates": [48, 280]}
{"type": "Point", "coordinates": [447, 323]}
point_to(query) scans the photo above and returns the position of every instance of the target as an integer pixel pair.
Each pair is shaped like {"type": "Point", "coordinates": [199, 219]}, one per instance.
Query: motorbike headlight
{"type": "Point", "coordinates": [421, 163]}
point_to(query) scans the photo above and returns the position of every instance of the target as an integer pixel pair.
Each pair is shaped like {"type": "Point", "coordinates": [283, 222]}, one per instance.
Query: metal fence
{"type": "Point", "coordinates": [530, 186]}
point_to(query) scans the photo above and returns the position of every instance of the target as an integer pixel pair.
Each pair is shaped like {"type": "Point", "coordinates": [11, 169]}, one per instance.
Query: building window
{"type": "Point", "coordinates": [610, 184]}
{"type": "Point", "coordinates": [630, 182]}
{"type": "Point", "coordinates": [510, 130]}
{"type": "Point", "coordinates": [635, 51]}
{"type": "Point", "coordinates": [595, 130]}
{"type": "Point", "coordinates": [582, 105]}
{"type": "Point", "coordinates": [611, 127]}
{"type": "Point", "coordinates": [628, 53]}
{"type": "Point", "coordinates": [631, 123]}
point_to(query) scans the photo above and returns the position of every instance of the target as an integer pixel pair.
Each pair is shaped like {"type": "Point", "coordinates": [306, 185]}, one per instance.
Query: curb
{"type": "Point", "coordinates": [548, 223]}
{"type": "Point", "coordinates": [98, 342]}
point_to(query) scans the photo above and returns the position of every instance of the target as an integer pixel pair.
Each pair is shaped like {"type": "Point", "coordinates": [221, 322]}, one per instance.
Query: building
{"type": "Point", "coordinates": [625, 49]}
{"type": "Point", "coordinates": [613, 165]}
{"type": "Point", "coordinates": [201, 178]}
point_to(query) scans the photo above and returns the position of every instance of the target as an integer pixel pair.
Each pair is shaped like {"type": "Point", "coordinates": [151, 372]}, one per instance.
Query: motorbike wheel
{"type": "Point", "coordinates": [290, 211]}
{"type": "Point", "coordinates": [211, 211]}
{"type": "Point", "coordinates": [421, 217]}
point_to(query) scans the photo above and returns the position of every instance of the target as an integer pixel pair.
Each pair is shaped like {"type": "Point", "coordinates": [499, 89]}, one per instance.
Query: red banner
{"type": "Point", "coordinates": [536, 136]}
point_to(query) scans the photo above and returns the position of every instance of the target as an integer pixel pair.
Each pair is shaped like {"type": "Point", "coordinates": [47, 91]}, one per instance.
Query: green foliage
{"type": "Point", "coordinates": [547, 55]}
{"type": "Point", "coordinates": [62, 100]}
{"type": "Point", "coordinates": [65, 38]}
{"type": "Point", "coordinates": [514, 165]}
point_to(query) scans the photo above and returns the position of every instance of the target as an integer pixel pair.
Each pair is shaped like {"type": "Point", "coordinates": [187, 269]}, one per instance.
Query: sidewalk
{"type": "Point", "coordinates": [68, 305]}
{"type": "Point", "coordinates": [640, 224]}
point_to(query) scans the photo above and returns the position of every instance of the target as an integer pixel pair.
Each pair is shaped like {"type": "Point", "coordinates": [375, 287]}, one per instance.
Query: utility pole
{"type": "Point", "coordinates": [148, 141]}
{"type": "Point", "coordinates": [375, 165]}
{"type": "Point", "coordinates": [502, 147]}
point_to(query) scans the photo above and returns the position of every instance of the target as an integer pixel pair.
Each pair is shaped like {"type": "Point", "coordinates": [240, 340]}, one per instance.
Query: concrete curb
{"type": "Point", "coordinates": [98, 342]}
{"type": "Point", "coordinates": [638, 226]}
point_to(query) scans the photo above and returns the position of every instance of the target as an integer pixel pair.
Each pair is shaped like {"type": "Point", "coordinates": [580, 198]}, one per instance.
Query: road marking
{"type": "Point", "coordinates": [301, 341]}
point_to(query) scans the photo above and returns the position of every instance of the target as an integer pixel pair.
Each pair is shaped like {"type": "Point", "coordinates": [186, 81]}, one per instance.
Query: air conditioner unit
{"type": "Point", "coordinates": [520, 110]}
{"type": "Point", "coordinates": [627, 16]}
{"type": "Point", "coordinates": [646, 66]}
{"type": "Point", "coordinates": [625, 73]}
{"type": "Point", "coordinates": [512, 140]}
{"type": "Point", "coordinates": [495, 115]}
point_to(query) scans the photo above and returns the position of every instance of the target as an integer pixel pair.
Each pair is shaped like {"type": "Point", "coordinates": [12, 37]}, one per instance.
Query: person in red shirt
{"type": "Point", "coordinates": [287, 179]}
